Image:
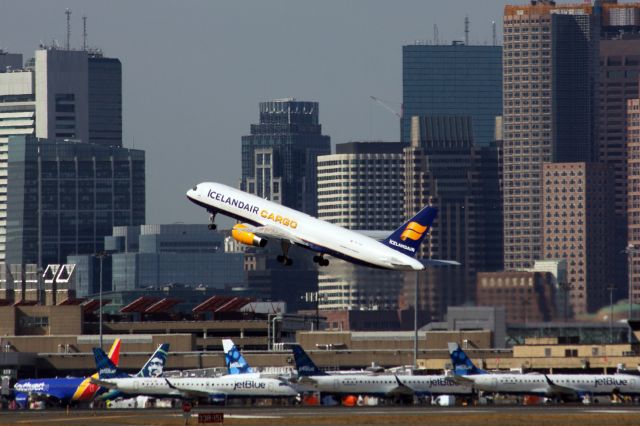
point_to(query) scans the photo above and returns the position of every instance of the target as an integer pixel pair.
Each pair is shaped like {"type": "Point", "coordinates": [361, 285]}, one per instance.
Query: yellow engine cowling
{"type": "Point", "coordinates": [239, 234]}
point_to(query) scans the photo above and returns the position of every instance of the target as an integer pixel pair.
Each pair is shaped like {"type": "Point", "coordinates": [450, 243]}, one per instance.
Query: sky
{"type": "Point", "coordinates": [194, 71]}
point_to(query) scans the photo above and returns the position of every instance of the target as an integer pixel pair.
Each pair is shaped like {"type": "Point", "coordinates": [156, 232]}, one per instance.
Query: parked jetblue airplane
{"type": "Point", "coordinates": [154, 367]}
{"type": "Point", "coordinates": [561, 386]}
{"type": "Point", "coordinates": [62, 391]}
{"type": "Point", "coordinates": [264, 220]}
{"type": "Point", "coordinates": [386, 385]}
{"type": "Point", "coordinates": [217, 388]}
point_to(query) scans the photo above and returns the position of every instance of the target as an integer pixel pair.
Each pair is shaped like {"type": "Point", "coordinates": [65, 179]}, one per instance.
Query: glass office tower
{"type": "Point", "coordinates": [64, 197]}
{"type": "Point", "coordinates": [453, 80]}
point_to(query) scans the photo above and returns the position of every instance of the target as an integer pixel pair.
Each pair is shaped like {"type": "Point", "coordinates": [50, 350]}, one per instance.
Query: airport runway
{"type": "Point", "coordinates": [323, 416]}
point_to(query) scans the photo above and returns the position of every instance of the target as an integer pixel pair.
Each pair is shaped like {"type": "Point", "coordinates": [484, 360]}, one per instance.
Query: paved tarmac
{"type": "Point", "coordinates": [310, 416]}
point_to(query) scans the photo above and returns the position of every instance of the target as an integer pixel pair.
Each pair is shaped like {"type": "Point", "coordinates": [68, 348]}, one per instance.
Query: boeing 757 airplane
{"type": "Point", "coordinates": [263, 220]}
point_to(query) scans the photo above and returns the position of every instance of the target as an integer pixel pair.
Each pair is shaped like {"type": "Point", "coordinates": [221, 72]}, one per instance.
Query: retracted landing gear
{"type": "Point", "coordinates": [212, 219]}
{"type": "Point", "coordinates": [284, 257]}
{"type": "Point", "coordinates": [320, 260]}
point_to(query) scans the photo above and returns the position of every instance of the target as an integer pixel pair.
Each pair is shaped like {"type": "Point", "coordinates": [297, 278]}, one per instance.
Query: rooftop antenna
{"type": "Point", "coordinates": [68, 13]}
{"type": "Point", "coordinates": [495, 36]}
{"type": "Point", "coordinates": [466, 30]}
{"type": "Point", "coordinates": [84, 33]}
{"type": "Point", "coordinates": [435, 34]}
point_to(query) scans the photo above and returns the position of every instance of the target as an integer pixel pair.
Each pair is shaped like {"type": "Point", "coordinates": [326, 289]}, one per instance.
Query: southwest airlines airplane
{"type": "Point", "coordinates": [561, 386]}
{"type": "Point", "coordinates": [65, 390]}
{"type": "Point", "coordinates": [264, 220]}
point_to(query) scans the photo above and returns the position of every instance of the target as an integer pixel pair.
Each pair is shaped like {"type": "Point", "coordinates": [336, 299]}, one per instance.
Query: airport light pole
{"type": "Point", "coordinates": [101, 255]}
{"type": "Point", "coordinates": [611, 288]}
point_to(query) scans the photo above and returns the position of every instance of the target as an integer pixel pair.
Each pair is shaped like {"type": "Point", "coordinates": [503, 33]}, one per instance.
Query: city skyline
{"type": "Point", "coordinates": [209, 119]}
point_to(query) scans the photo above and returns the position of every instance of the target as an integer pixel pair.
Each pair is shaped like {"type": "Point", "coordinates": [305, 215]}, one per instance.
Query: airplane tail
{"type": "Point", "coordinates": [304, 364]}
{"type": "Point", "coordinates": [236, 364]}
{"type": "Point", "coordinates": [462, 364]}
{"type": "Point", "coordinates": [407, 238]}
{"type": "Point", "coordinates": [114, 352]}
{"type": "Point", "coordinates": [106, 368]}
{"type": "Point", "coordinates": [154, 367]}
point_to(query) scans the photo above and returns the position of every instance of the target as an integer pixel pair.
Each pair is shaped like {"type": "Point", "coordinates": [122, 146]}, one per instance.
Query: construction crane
{"type": "Point", "coordinates": [386, 106]}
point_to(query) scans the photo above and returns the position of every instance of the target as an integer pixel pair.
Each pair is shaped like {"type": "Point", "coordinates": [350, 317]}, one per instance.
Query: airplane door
{"type": "Point", "coordinates": [270, 387]}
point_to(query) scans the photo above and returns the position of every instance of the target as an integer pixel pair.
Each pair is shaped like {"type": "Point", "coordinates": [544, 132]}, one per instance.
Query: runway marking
{"type": "Point", "coordinates": [71, 419]}
{"type": "Point", "coordinates": [612, 411]}
{"type": "Point", "coordinates": [249, 416]}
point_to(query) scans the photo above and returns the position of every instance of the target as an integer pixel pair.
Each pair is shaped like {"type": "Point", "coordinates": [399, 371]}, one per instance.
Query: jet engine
{"type": "Point", "coordinates": [239, 233]}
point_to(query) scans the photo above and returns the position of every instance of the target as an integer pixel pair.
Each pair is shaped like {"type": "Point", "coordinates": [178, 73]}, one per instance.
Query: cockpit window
{"type": "Point", "coordinates": [195, 188]}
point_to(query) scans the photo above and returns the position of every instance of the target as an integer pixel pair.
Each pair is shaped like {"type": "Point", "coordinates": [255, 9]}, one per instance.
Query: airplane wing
{"type": "Point", "coordinates": [559, 389]}
{"type": "Point", "coordinates": [187, 393]}
{"type": "Point", "coordinates": [401, 389]}
{"type": "Point", "coordinates": [436, 262]}
{"type": "Point", "coordinates": [103, 383]}
{"type": "Point", "coordinates": [463, 380]}
{"type": "Point", "coordinates": [271, 232]}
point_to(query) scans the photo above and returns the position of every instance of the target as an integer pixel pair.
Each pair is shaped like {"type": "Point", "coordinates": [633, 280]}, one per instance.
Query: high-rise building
{"type": "Point", "coordinates": [578, 225]}
{"type": "Point", "coordinates": [454, 80]}
{"type": "Point", "coordinates": [444, 168]}
{"type": "Point", "coordinates": [105, 100]}
{"type": "Point", "coordinates": [633, 205]}
{"type": "Point", "coordinates": [619, 72]}
{"type": "Point", "coordinates": [279, 156]}
{"type": "Point", "coordinates": [59, 94]}
{"type": "Point", "coordinates": [361, 187]}
{"type": "Point", "coordinates": [64, 197]}
{"type": "Point", "coordinates": [550, 75]}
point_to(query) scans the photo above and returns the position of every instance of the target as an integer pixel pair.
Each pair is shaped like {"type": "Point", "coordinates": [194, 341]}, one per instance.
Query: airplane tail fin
{"type": "Point", "coordinates": [304, 364]}
{"type": "Point", "coordinates": [106, 368]}
{"type": "Point", "coordinates": [462, 364]}
{"type": "Point", "coordinates": [114, 352]}
{"type": "Point", "coordinates": [236, 364]}
{"type": "Point", "coordinates": [154, 367]}
{"type": "Point", "coordinates": [407, 238]}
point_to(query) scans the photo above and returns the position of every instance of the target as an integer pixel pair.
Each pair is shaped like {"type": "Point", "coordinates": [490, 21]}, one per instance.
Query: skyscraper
{"type": "Point", "coordinates": [361, 186]}
{"type": "Point", "coordinates": [550, 64]}
{"type": "Point", "coordinates": [64, 197]}
{"type": "Point", "coordinates": [59, 94]}
{"type": "Point", "coordinates": [279, 156]}
{"type": "Point", "coordinates": [455, 80]}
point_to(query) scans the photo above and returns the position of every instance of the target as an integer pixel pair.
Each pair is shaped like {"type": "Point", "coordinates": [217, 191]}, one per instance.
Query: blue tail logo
{"type": "Point", "coordinates": [462, 364]}
{"type": "Point", "coordinates": [106, 368]}
{"type": "Point", "coordinates": [408, 237]}
{"type": "Point", "coordinates": [154, 367]}
{"type": "Point", "coordinates": [236, 364]}
{"type": "Point", "coordinates": [304, 364]}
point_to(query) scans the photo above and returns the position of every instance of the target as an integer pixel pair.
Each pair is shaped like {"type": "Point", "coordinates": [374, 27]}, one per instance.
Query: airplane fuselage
{"type": "Point", "coordinates": [239, 385]}
{"type": "Point", "coordinates": [386, 384]}
{"type": "Point", "coordinates": [557, 384]}
{"type": "Point", "coordinates": [312, 233]}
{"type": "Point", "coordinates": [64, 390]}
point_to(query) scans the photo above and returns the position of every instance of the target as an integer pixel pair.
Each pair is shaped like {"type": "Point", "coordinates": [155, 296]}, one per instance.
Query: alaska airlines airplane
{"type": "Point", "coordinates": [62, 391]}
{"type": "Point", "coordinates": [229, 386]}
{"type": "Point", "coordinates": [154, 367]}
{"type": "Point", "coordinates": [264, 220]}
{"type": "Point", "coordinates": [386, 385]}
{"type": "Point", "coordinates": [562, 386]}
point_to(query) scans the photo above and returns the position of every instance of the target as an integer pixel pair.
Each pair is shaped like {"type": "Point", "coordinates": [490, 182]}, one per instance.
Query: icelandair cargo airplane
{"type": "Point", "coordinates": [65, 390]}
{"type": "Point", "coordinates": [218, 388]}
{"type": "Point", "coordinates": [264, 220]}
{"type": "Point", "coordinates": [562, 386]}
{"type": "Point", "coordinates": [386, 385]}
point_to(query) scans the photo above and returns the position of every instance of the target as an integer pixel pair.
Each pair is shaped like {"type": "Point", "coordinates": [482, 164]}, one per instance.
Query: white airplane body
{"type": "Point", "coordinates": [265, 220]}
{"type": "Point", "coordinates": [387, 385]}
{"type": "Point", "coordinates": [241, 386]}
{"type": "Point", "coordinates": [554, 385]}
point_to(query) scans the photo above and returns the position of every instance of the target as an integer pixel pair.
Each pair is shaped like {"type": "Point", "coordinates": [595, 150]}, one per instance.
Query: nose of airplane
{"type": "Point", "coordinates": [191, 193]}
